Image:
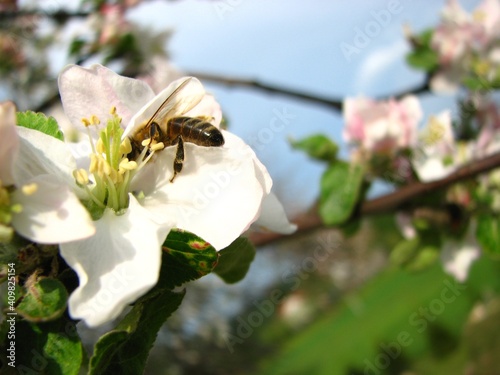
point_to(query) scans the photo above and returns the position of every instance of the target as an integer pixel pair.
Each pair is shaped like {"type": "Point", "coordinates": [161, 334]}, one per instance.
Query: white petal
{"type": "Point", "coordinates": [40, 154]}
{"type": "Point", "coordinates": [8, 142]}
{"type": "Point", "coordinates": [405, 225]}
{"type": "Point", "coordinates": [116, 266]}
{"type": "Point", "coordinates": [217, 195]}
{"type": "Point", "coordinates": [431, 168]}
{"type": "Point", "coordinates": [52, 213]}
{"type": "Point", "coordinates": [273, 218]}
{"type": "Point", "coordinates": [94, 91]}
{"type": "Point", "coordinates": [457, 258]}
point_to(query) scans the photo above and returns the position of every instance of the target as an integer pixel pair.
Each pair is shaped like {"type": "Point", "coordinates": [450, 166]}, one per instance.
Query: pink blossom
{"type": "Point", "coordinates": [113, 23]}
{"type": "Point", "coordinates": [381, 126]}
{"type": "Point", "coordinates": [461, 33]}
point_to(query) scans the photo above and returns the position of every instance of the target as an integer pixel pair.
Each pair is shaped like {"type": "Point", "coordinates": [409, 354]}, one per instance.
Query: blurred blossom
{"type": "Point", "coordinates": [113, 23]}
{"type": "Point", "coordinates": [381, 127]}
{"type": "Point", "coordinates": [488, 140]}
{"type": "Point", "coordinates": [439, 154]}
{"type": "Point", "coordinates": [458, 256]}
{"type": "Point", "coordinates": [466, 43]}
{"type": "Point", "coordinates": [12, 56]}
{"type": "Point", "coordinates": [404, 222]}
{"type": "Point", "coordinates": [161, 73]}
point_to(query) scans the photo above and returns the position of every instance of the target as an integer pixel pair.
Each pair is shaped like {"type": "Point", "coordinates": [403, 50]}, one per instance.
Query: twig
{"type": "Point", "coordinates": [387, 203]}
{"type": "Point", "coordinates": [333, 103]}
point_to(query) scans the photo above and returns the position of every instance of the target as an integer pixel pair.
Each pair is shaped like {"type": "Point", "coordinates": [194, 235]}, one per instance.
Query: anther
{"type": "Point", "coordinates": [29, 189]}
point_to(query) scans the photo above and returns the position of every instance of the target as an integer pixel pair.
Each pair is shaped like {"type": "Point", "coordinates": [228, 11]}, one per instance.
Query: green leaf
{"type": "Point", "coordinates": [404, 251]}
{"type": "Point", "coordinates": [415, 254]}
{"type": "Point", "coordinates": [488, 234]}
{"type": "Point", "coordinates": [423, 57]}
{"type": "Point", "coordinates": [125, 349]}
{"type": "Point", "coordinates": [186, 257]}
{"type": "Point", "coordinates": [475, 82]}
{"type": "Point", "coordinates": [235, 260]}
{"type": "Point", "coordinates": [424, 259]}
{"type": "Point", "coordinates": [40, 122]}
{"type": "Point", "coordinates": [340, 190]}
{"type": "Point", "coordinates": [76, 46]}
{"type": "Point", "coordinates": [49, 348]}
{"type": "Point", "coordinates": [318, 147]}
{"type": "Point", "coordinates": [44, 301]}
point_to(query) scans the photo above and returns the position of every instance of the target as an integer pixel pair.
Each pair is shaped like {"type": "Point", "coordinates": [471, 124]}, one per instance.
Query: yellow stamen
{"type": "Point", "coordinates": [94, 165]}
{"type": "Point", "coordinates": [157, 146]}
{"type": "Point", "coordinates": [125, 146]}
{"type": "Point", "coordinates": [81, 176]}
{"type": "Point", "coordinates": [100, 146]}
{"type": "Point", "coordinates": [128, 165]}
{"type": "Point", "coordinates": [95, 120]}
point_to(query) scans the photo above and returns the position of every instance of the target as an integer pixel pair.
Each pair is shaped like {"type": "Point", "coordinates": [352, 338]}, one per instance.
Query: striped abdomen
{"type": "Point", "coordinates": [194, 130]}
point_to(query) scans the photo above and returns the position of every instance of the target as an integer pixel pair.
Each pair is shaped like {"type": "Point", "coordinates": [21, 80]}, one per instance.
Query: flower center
{"type": "Point", "coordinates": [111, 169]}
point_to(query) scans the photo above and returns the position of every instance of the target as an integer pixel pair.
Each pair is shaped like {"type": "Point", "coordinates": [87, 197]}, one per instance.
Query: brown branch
{"type": "Point", "coordinates": [387, 203]}
{"type": "Point", "coordinates": [334, 103]}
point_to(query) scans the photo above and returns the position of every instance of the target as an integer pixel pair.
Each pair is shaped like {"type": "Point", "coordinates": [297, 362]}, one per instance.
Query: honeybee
{"type": "Point", "coordinates": [175, 130]}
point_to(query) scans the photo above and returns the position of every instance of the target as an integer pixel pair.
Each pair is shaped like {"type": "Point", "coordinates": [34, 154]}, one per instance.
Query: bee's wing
{"type": "Point", "coordinates": [180, 101]}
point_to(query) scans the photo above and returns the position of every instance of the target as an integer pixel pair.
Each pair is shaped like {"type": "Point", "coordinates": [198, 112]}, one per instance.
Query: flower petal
{"type": "Point", "coordinates": [8, 141]}
{"type": "Point", "coordinates": [117, 265]}
{"type": "Point", "coordinates": [51, 213]}
{"type": "Point", "coordinates": [216, 196]}
{"type": "Point", "coordinates": [94, 91]}
{"type": "Point", "coordinates": [273, 218]}
{"type": "Point", "coordinates": [41, 154]}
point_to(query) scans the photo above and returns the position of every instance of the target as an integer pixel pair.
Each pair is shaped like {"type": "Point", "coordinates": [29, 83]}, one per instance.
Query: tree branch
{"type": "Point", "coordinates": [333, 103]}
{"type": "Point", "coordinates": [387, 203]}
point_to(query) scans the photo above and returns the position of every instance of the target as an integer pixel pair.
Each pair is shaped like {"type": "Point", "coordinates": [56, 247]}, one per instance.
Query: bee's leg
{"type": "Point", "coordinates": [179, 157]}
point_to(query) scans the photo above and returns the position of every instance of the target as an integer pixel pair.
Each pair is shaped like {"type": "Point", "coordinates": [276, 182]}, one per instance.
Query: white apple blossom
{"type": "Point", "coordinates": [218, 195]}
{"type": "Point", "coordinates": [46, 208]}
